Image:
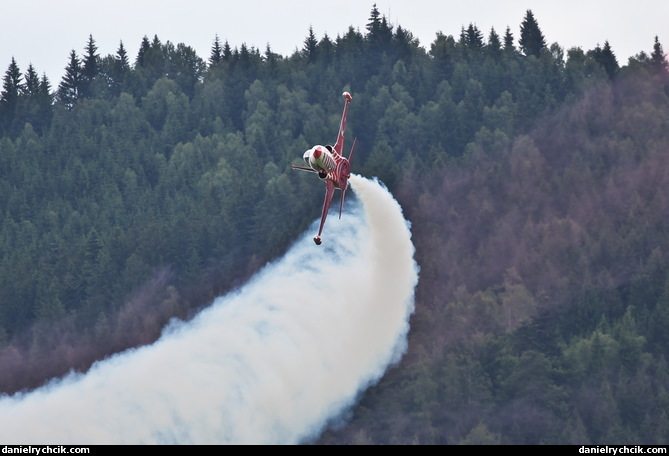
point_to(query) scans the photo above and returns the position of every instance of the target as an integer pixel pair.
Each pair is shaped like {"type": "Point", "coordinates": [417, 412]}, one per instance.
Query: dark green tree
{"type": "Point", "coordinates": [443, 51]}
{"type": "Point", "coordinates": [183, 65]}
{"type": "Point", "coordinates": [531, 40]}
{"type": "Point", "coordinates": [658, 59]}
{"type": "Point", "coordinates": [216, 55]}
{"type": "Point", "coordinates": [379, 32]}
{"type": "Point", "coordinates": [326, 50]}
{"type": "Point", "coordinates": [144, 49]}
{"type": "Point", "coordinates": [121, 70]}
{"type": "Point", "coordinates": [69, 89]}
{"type": "Point", "coordinates": [606, 59]}
{"type": "Point", "coordinates": [122, 57]}
{"type": "Point", "coordinates": [310, 48]}
{"type": "Point", "coordinates": [150, 64]}
{"type": "Point", "coordinates": [45, 101]}
{"type": "Point", "coordinates": [405, 44]}
{"type": "Point", "coordinates": [12, 86]}
{"type": "Point", "coordinates": [12, 89]}
{"type": "Point", "coordinates": [34, 103]}
{"type": "Point", "coordinates": [32, 84]}
{"type": "Point", "coordinates": [494, 46]}
{"type": "Point", "coordinates": [374, 23]}
{"type": "Point", "coordinates": [471, 39]}
{"type": "Point", "coordinates": [509, 47]}
{"type": "Point", "coordinates": [90, 67]}
{"type": "Point", "coordinates": [227, 51]}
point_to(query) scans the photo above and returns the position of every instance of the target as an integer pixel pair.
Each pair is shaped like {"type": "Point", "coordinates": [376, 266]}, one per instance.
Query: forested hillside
{"type": "Point", "coordinates": [535, 177]}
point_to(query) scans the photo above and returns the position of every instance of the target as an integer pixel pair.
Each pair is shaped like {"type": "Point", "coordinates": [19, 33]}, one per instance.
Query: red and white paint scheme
{"type": "Point", "coordinates": [331, 166]}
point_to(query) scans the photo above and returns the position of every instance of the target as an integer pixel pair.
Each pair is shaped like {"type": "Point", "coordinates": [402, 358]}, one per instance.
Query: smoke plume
{"type": "Point", "coordinates": [271, 363]}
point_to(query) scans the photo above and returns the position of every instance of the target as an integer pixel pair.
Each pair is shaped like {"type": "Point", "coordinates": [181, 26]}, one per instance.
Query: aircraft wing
{"type": "Point", "coordinates": [339, 145]}
{"type": "Point", "coordinates": [303, 168]}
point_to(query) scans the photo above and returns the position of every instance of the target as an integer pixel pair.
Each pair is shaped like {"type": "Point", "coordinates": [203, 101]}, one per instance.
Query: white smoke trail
{"type": "Point", "coordinates": [269, 364]}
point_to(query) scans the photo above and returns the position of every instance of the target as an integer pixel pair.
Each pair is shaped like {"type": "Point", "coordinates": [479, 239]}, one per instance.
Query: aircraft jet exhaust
{"type": "Point", "coordinates": [272, 363]}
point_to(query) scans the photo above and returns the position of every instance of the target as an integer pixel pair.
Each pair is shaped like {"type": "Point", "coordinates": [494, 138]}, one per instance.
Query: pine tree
{"type": "Point", "coordinates": [310, 49]}
{"type": "Point", "coordinates": [474, 37]}
{"type": "Point", "coordinates": [144, 49]}
{"type": "Point", "coordinates": [443, 50]}
{"type": "Point", "coordinates": [227, 51]}
{"type": "Point", "coordinates": [606, 59]}
{"type": "Point", "coordinates": [404, 43]}
{"type": "Point", "coordinates": [119, 71]}
{"type": "Point", "coordinates": [91, 67]}
{"type": "Point", "coordinates": [471, 40]}
{"type": "Point", "coordinates": [610, 63]}
{"type": "Point", "coordinates": [12, 86]}
{"type": "Point", "coordinates": [531, 41]}
{"type": "Point", "coordinates": [69, 89]}
{"type": "Point", "coordinates": [32, 85]}
{"type": "Point", "coordinates": [11, 90]}
{"type": "Point", "coordinates": [91, 60]}
{"type": "Point", "coordinates": [45, 85]}
{"type": "Point", "coordinates": [122, 57]}
{"type": "Point", "coordinates": [380, 33]}
{"type": "Point", "coordinates": [45, 100]}
{"type": "Point", "coordinates": [657, 59]}
{"type": "Point", "coordinates": [509, 47]}
{"type": "Point", "coordinates": [374, 23]}
{"type": "Point", "coordinates": [326, 49]}
{"type": "Point", "coordinates": [494, 46]}
{"type": "Point", "coordinates": [216, 55]}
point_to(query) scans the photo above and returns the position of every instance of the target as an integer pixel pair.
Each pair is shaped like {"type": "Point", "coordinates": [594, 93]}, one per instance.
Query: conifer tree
{"type": "Point", "coordinates": [531, 41]}
{"type": "Point", "coordinates": [44, 93]}
{"type": "Point", "coordinates": [380, 33]}
{"type": "Point", "coordinates": [122, 57]}
{"type": "Point", "coordinates": [91, 60]}
{"type": "Point", "coordinates": [69, 89]}
{"type": "Point", "coordinates": [11, 85]}
{"type": "Point", "coordinates": [12, 88]}
{"type": "Point", "coordinates": [35, 104]}
{"type": "Point", "coordinates": [606, 59]}
{"type": "Point", "coordinates": [216, 52]}
{"type": "Point", "coordinates": [657, 59]}
{"type": "Point", "coordinates": [32, 85]}
{"type": "Point", "coordinates": [325, 49]}
{"type": "Point", "coordinates": [227, 51]}
{"type": "Point", "coordinates": [271, 59]}
{"type": "Point", "coordinates": [45, 85]}
{"type": "Point", "coordinates": [144, 48]}
{"type": "Point", "coordinates": [91, 67]}
{"type": "Point", "coordinates": [119, 70]}
{"type": "Point", "coordinates": [310, 49]}
{"type": "Point", "coordinates": [471, 40]}
{"type": "Point", "coordinates": [509, 47]}
{"type": "Point", "coordinates": [374, 23]}
{"type": "Point", "coordinates": [404, 43]}
{"type": "Point", "coordinates": [494, 46]}
{"type": "Point", "coordinates": [610, 62]}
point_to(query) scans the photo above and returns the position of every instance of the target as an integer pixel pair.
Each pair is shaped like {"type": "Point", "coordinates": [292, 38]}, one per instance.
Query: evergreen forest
{"type": "Point", "coordinates": [536, 180]}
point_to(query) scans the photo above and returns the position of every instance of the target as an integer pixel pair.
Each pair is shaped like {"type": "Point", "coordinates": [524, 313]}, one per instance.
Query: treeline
{"type": "Point", "coordinates": [134, 192]}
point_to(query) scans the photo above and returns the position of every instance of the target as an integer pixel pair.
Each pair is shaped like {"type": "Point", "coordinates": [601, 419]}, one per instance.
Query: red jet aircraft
{"type": "Point", "coordinates": [331, 166]}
